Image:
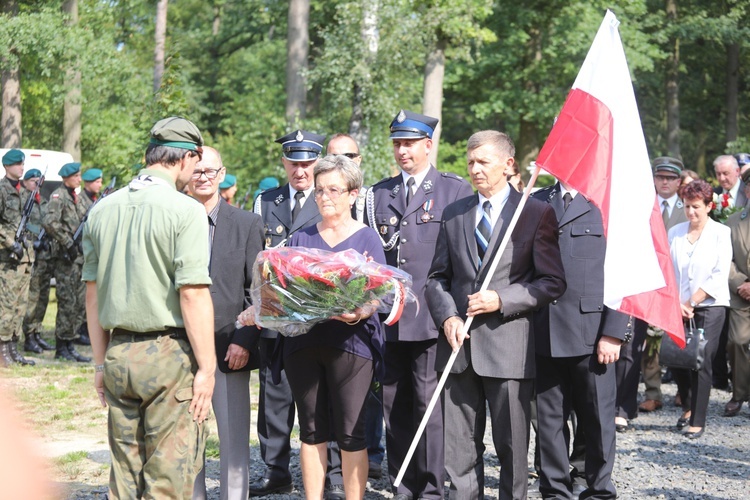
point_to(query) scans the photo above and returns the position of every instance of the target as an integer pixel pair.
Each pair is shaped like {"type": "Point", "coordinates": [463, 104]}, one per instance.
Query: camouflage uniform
{"type": "Point", "coordinates": [15, 274]}
{"type": "Point", "coordinates": [41, 273]}
{"type": "Point", "coordinates": [64, 213]}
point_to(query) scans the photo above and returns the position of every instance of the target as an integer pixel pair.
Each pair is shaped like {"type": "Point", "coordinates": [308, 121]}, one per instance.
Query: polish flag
{"type": "Point", "coordinates": [597, 147]}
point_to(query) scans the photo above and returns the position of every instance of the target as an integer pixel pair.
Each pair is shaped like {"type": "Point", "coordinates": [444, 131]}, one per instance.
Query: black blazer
{"type": "Point", "coordinates": [237, 241]}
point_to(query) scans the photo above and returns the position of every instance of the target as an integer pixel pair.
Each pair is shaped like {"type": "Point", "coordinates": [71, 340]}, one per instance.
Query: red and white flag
{"type": "Point", "coordinates": [597, 147]}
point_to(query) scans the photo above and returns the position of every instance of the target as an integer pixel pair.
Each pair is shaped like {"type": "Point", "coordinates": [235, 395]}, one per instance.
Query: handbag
{"type": "Point", "coordinates": [689, 358]}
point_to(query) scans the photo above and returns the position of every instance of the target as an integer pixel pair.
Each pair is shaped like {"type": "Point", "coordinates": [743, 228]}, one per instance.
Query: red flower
{"type": "Point", "coordinates": [724, 200]}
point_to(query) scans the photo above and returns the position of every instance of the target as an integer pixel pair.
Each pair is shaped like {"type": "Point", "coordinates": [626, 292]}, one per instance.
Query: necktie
{"type": "Point", "coordinates": [567, 198]}
{"type": "Point", "coordinates": [483, 231]}
{"type": "Point", "coordinates": [297, 204]}
{"type": "Point", "coordinates": [665, 212]}
{"type": "Point", "coordinates": [409, 189]}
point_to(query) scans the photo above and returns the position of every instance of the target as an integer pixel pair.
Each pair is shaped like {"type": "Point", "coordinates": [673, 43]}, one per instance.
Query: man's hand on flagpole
{"type": "Point", "coordinates": [453, 328]}
{"type": "Point", "coordinates": [608, 350]}
{"type": "Point", "coordinates": [485, 301]}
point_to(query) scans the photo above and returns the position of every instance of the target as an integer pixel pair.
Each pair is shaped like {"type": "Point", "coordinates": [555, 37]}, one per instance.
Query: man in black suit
{"type": "Point", "coordinates": [406, 211]}
{"type": "Point", "coordinates": [495, 363]}
{"type": "Point", "coordinates": [235, 238]}
{"type": "Point", "coordinates": [577, 343]}
{"type": "Point", "coordinates": [284, 210]}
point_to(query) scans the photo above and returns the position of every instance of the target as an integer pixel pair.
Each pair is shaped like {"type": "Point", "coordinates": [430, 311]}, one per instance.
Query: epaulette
{"type": "Point", "coordinates": [387, 179]}
{"type": "Point", "coordinates": [451, 175]}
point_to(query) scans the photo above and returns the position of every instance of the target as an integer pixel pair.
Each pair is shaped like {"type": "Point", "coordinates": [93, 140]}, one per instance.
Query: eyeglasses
{"type": "Point", "coordinates": [210, 173]}
{"type": "Point", "coordinates": [332, 193]}
{"type": "Point", "coordinates": [351, 155]}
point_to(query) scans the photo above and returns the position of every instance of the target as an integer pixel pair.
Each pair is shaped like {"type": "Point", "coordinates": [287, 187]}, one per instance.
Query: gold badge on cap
{"type": "Point", "coordinates": [279, 229]}
{"type": "Point", "coordinates": [393, 220]}
{"type": "Point", "coordinates": [401, 116]}
{"type": "Point", "coordinates": [299, 137]}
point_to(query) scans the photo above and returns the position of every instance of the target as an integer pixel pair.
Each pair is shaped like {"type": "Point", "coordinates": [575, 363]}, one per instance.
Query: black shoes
{"type": "Point", "coordinates": [335, 492]}
{"type": "Point", "coordinates": [694, 435]}
{"type": "Point", "coordinates": [42, 343]}
{"type": "Point", "coordinates": [66, 351]}
{"type": "Point", "coordinates": [266, 486]}
{"type": "Point", "coordinates": [30, 344]}
{"type": "Point", "coordinates": [17, 357]}
{"type": "Point", "coordinates": [83, 335]}
{"type": "Point", "coordinates": [374, 470]}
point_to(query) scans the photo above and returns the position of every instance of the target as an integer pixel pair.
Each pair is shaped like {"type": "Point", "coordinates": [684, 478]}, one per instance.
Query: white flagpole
{"type": "Point", "coordinates": [467, 325]}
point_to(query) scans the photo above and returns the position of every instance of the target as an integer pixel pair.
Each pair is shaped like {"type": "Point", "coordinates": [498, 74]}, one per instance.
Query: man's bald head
{"type": "Point", "coordinates": [343, 144]}
{"type": "Point", "coordinates": [211, 159]}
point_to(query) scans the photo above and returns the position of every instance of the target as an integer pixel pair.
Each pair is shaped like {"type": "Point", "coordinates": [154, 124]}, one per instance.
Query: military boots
{"type": "Point", "coordinates": [30, 344]}
{"type": "Point", "coordinates": [18, 357]}
{"type": "Point", "coordinates": [5, 359]}
{"type": "Point", "coordinates": [42, 343]}
{"type": "Point", "coordinates": [67, 351]}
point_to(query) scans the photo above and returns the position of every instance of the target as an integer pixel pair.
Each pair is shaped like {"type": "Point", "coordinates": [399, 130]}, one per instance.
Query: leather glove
{"type": "Point", "coordinates": [71, 252]}
{"type": "Point", "coordinates": [17, 250]}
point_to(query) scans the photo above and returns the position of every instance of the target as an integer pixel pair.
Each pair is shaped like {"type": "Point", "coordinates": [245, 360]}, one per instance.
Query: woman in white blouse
{"type": "Point", "coordinates": [701, 254]}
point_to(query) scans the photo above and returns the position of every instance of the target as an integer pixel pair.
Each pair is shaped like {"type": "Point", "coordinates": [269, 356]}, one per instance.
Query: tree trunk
{"type": "Point", "coordinates": [216, 26]}
{"type": "Point", "coordinates": [10, 82]}
{"type": "Point", "coordinates": [160, 35]}
{"type": "Point", "coordinates": [672, 86]}
{"type": "Point", "coordinates": [298, 43]}
{"type": "Point", "coordinates": [733, 69]}
{"type": "Point", "coordinates": [371, 39]}
{"type": "Point", "coordinates": [432, 101]}
{"type": "Point", "coordinates": [72, 104]}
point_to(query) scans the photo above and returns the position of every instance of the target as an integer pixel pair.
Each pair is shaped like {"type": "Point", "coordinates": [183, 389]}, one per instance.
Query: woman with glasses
{"type": "Point", "coordinates": [330, 369]}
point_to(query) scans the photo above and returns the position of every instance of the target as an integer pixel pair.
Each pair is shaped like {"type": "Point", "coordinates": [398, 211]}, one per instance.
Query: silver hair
{"type": "Point", "coordinates": [345, 166]}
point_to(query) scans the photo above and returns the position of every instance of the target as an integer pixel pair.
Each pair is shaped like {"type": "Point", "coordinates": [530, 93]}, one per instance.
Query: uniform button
{"type": "Point", "coordinates": [404, 223]}
{"type": "Point", "coordinates": [588, 231]}
{"type": "Point", "coordinates": [403, 240]}
{"type": "Point", "coordinates": [559, 231]}
{"type": "Point", "coordinates": [403, 261]}
{"type": "Point", "coordinates": [554, 301]}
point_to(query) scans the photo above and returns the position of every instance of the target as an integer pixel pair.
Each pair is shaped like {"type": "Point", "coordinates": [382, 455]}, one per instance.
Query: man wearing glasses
{"type": "Point", "coordinates": [406, 210]}
{"type": "Point", "coordinates": [147, 281]}
{"type": "Point", "coordinates": [234, 239]}
{"type": "Point", "coordinates": [667, 172]}
{"type": "Point", "coordinates": [284, 210]}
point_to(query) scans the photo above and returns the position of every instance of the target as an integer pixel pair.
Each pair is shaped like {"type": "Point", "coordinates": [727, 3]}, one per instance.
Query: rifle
{"type": "Point", "coordinates": [246, 197]}
{"type": "Point", "coordinates": [79, 230]}
{"type": "Point", "coordinates": [20, 239]}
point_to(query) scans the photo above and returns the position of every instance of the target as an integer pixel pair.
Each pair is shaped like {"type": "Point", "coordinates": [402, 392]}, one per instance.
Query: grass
{"type": "Point", "coordinates": [71, 464]}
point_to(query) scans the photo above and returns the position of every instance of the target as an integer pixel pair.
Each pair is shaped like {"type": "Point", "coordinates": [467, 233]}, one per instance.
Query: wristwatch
{"type": "Point", "coordinates": [99, 368]}
{"type": "Point", "coordinates": [693, 303]}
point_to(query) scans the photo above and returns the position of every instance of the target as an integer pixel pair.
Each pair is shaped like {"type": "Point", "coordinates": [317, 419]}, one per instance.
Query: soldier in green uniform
{"type": "Point", "coordinates": [15, 261]}
{"type": "Point", "coordinates": [41, 273]}
{"type": "Point", "coordinates": [64, 212]}
{"type": "Point", "coordinates": [146, 274]}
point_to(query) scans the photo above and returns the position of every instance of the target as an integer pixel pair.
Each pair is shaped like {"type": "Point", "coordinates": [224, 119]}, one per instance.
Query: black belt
{"type": "Point", "coordinates": [175, 333]}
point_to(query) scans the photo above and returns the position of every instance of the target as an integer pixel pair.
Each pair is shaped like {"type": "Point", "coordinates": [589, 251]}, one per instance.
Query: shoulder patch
{"type": "Point", "coordinates": [55, 195]}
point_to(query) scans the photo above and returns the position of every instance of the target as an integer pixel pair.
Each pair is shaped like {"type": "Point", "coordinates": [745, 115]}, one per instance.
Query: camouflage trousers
{"type": "Point", "coordinates": [41, 274]}
{"type": "Point", "coordinates": [157, 449]}
{"type": "Point", "coordinates": [70, 308]}
{"type": "Point", "coordinates": [14, 290]}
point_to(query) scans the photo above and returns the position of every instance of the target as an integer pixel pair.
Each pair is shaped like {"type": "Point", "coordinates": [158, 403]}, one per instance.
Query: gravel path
{"type": "Point", "coordinates": [653, 460]}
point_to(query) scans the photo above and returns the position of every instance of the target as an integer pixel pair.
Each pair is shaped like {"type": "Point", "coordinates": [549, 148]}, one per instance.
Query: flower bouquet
{"type": "Point", "coordinates": [722, 210]}
{"type": "Point", "coordinates": [300, 287]}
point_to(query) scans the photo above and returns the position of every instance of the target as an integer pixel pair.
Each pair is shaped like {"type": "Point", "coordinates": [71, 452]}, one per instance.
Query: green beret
{"type": "Point", "coordinates": [91, 175]}
{"type": "Point", "coordinates": [268, 183]}
{"type": "Point", "coordinates": [31, 174]}
{"type": "Point", "coordinates": [13, 156]}
{"type": "Point", "coordinates": [69, 169]}
{"type": "Point", "coordinates": [176, 132]}
{"type": "Point", "coordinates": [668, 164]}
{"type": "Point", "coordinates": [229, 181]}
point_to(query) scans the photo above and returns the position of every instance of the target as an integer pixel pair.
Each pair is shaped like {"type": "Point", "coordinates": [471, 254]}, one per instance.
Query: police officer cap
{"type": "Point", "coordinates": [668, 164]}
{"type": "Point", "coordinates": [69, 169]}
{"type": "Point", "coordinates": [301, 145]}
{"type": "Point", "coordinates": [176, 132]}
{"type": "Point", "coordinates": [229, 181]}
{"type": "Point", "coordinates": [742, 159]}
{"type": "Point", "coordinates": [409, 125]}
{"type": "Point", "coordinates": [13, 156]}
{"type": "Point", "coordinates": [34, 173]}
{"type": "Point", "coordinates": [91, 175]}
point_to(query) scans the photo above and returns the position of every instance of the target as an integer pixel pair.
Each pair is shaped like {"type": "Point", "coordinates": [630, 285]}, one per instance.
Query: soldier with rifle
{"type": "Point", "coordinates": [65, 211]}
{"type": "Point", "coordinates": [41, 272]}
{"type": "Point", "coordinates": [15, 259]}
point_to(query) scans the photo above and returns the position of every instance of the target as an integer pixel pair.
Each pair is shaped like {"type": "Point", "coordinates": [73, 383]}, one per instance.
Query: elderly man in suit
{"type": "Point", "coordinates": [406, 210]}
{"type": "Point", "coordinates": [284, 210]}
{"type": "Point", "coordinates": [738, 342]}
{"type": "Point", "coordinates": [235, 238]}
{"type": "Point", "coordinates": [495, 364]}
{"type": "Point", "coordinates": [577, 343]}
{"type": "Point", "coordinates": [667, 171]}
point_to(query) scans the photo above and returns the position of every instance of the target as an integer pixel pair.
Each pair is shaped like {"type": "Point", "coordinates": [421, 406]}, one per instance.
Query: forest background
{"type": "Point", "coordinates": [90, 77]}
